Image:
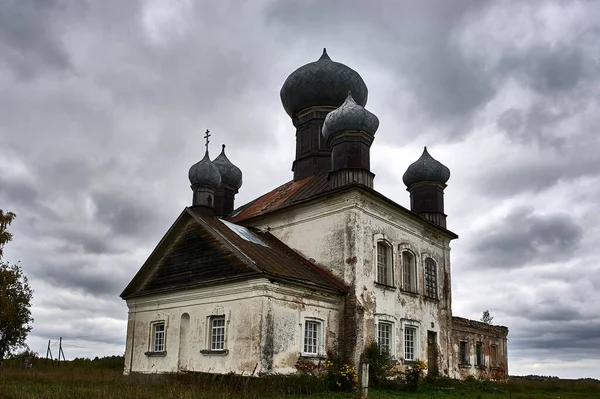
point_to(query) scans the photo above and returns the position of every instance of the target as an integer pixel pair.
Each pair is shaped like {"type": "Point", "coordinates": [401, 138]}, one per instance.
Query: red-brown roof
{"type": "Point", "coordinates": [200, 250]}
{"type": "Point", "coordinates": [284, 195]}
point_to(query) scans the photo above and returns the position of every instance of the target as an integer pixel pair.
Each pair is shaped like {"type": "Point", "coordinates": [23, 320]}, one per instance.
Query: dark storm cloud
{"type": "Point", "coordinates": [414, 41]}
{"type": "Point", "coordinates": [103, 106]}
{"type": "Point", "coordinates": [28, 36]}
{"type": "Point", "coordinates": [523, 237]}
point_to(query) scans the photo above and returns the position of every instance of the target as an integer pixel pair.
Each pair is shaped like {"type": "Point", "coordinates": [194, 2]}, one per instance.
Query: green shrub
{"type": "Point", "coordinates": [380, 364]}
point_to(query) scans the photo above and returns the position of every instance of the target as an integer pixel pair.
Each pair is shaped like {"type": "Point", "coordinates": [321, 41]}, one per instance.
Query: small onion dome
{"type": "Point", "coordinates": [426, 169]}
{"type": "Point", "coordinates": [319, 83]}
{"type": "Point", "coordinates": [205, 173]}
{"type": "Point", "coordinates": [350, 116]}
{"type": "Point", "coordinates": [230, 174]}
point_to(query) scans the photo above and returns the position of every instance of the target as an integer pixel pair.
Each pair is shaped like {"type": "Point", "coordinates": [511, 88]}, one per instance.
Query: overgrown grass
{"type": "Point", "coordinates": [77, 381]}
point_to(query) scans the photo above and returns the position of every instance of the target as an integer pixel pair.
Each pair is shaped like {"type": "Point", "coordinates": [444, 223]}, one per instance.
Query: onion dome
{"type": "Point", "coordinates": [205, 173]}
{"type": "Point", "coordinates": [320, 83]}
{"type": "Point", "coordinates": [426, 169]}
{"type": "Point", "coordinates": [230, 174]}
{"type": "Point", "coordinates": [350, 116]}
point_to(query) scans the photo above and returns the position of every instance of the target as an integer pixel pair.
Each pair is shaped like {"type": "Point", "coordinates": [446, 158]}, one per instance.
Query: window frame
{"type": "Point", "coordinates": [415, 342]}
{"type": "Point", "coordinates": [319, 345]}
{"type": "Point", "coordinates": [463, 357]}
{"type": "Point", "coordinates": [413, 287]}
{"type": "Point", "coordinates": [388, 267]}
{"type": "Point", "coordinates": [494, 355]}
{"type": "Point", "coordinates": [479, 355]}
{"type": "Point", "coordinates": [391, 338]}
{"type": "Point", "coordinates": [153, 348]}
{"type": "Point", "coordinates": [217, 333]}
{"type": "Point", "coordinates": [430, 289]}
{"type": "Point", "coordinates": [211, 348]}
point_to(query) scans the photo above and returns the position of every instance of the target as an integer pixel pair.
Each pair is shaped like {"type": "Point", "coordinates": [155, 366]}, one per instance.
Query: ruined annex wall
{"type": "Point", "coordinates": [286, 308]}
{"type": "Point", "coordinates": [187, 336]}
{"type": "Point", "coordinates": [491, 338]}
{"type": "Point", "coordinates": [378, 221]}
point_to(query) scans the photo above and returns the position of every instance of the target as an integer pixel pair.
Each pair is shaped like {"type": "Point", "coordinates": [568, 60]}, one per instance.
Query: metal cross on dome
{"type": "Point", "coordinates": [206, 136]}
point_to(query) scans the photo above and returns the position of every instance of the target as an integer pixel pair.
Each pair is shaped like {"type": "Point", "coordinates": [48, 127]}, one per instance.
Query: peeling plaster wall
{"type": "Point", "coordinates": [262, 333]}
{"type": "Point", "coordinates": [340, 234]}
{"type": "Point", "coordinates": [284, 316]}
{"type": "Point", "coordinates": [471, 332]}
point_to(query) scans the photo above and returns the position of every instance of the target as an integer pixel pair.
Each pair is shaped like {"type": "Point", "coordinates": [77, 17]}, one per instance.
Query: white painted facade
{"type": "Point", "coordinates": [263, 328]}
{"type": "Point", "coordinates": [341, 233]}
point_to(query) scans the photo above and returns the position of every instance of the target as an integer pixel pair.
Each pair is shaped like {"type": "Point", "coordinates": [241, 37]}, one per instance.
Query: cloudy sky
{"type": "Point", "coordinates": [103, 105]}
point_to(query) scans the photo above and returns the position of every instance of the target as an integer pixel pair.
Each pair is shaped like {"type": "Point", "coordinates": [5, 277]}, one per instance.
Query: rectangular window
{"type": "Point", "coordinates": [410, 343]}
{"type": "Point", "coordinates": [158, 337]}
{"type": "Point", "coordinates": [384, 268]}
{"type": "Point", "coordinates": [463, 358]}
{"type": "Point", "coordinates": [217, 333]}
{"type": "Point", "coordinates": [430, 278]}
{"type": "Point", "coordinates": [409, 276]}
{"type": "Point", "coordinates": [384, 337]}
{"type": "Point", "coordinates": [311, 337]}
{"type": "Point", "coordinates": [479, 354]}
{"type": "Point", "coordinates": [494, 355]}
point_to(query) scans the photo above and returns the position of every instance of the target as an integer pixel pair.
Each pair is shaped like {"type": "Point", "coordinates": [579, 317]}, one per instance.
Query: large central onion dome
{"type": "Point", "coordinates": [350, 116]}
{"type": "Point", "coordinates": [322, 83]}
{"type": "Point", "coordinates": [424, 169]}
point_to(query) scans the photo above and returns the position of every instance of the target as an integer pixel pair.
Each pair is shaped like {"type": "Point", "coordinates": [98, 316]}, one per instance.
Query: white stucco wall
{"type": "Point", "coordinates": [341, 233]}
{"type": "Point", "coordinates": [263, 327]}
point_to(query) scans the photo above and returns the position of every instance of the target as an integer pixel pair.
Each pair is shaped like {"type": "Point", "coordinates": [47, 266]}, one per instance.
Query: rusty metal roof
{"type": "Point", "coordinates": [310, 188]}
{"type": "Point", "coordinates": [200, 250]}
{"type": "Point", "coordinates": [284, 195]}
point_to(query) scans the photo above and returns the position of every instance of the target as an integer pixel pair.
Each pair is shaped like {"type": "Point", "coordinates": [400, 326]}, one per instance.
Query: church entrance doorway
{"type": "Point", "coordinates": [432, 367]}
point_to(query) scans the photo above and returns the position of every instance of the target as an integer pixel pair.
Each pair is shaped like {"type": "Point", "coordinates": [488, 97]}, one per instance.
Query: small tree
{"type": "Point", "coordinates": [486, 317]}
{"type": "Point", "coordinates": [5, 221]}
{"type": "Point", "coordinates": [15, 298]}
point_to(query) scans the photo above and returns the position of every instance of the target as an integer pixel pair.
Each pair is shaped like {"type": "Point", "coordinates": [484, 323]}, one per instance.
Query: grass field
{"type": "Point", "coordinates": [90, 382]}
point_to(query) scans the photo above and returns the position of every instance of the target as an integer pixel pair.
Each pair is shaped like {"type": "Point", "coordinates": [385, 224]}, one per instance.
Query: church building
{"type": "Point", "coordinates": [320, 266]}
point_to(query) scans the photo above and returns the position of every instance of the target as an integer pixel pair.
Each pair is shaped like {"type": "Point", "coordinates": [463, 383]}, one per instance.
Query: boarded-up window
{"type": "Point", "coordinates": [494, 355]}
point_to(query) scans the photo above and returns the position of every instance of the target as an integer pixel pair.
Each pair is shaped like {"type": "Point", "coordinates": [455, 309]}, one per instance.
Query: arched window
{"type": "Point", "coordinates": [409, 272]}
{"type": "Point", "coordinates": [384, 264]}
{"type": "Point", "coordinates": [430, 278]}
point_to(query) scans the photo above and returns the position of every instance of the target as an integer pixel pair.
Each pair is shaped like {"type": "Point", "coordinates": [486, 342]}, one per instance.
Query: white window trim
{"type": "Point", "coordinates": [380, 238]}
{"type": "Point", "coordinates": [417, 339]}
{"type": "Point", "coordinates": [415, 275]}
{"type": "Point", "coordinates": [209, 330]}
{"type": "Point", "coordinates": [390, 320]}
{"type": "Point", "coordinates": [321, 323]}
{"type": "Point", "coordinates": [152, 341]}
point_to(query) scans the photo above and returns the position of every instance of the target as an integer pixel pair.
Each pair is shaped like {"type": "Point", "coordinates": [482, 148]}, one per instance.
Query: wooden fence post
{"type": "Point", "coordinates": [363, 379]}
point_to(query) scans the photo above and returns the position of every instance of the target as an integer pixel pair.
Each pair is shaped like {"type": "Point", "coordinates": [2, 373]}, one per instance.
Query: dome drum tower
{"type": "Point", "coordinates": [350, 131]}
{"type": "Point", "coordinates": [426, 180]}
{"type": "Point", "coordinates": [308, 95]}
{"type": "Point", "coordinates": [231, 181]}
